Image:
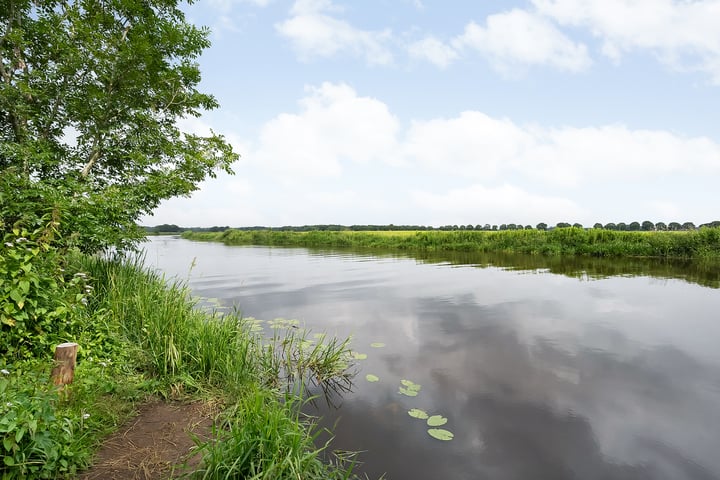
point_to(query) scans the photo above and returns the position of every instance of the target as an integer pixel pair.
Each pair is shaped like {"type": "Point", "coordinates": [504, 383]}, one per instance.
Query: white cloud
{"type": "Point", "coordinates": [434, 51]}
{"type": "Point", "coordinates": [479, 146]}
{"type": "Point", "coordinates": [334, 125]}
{"type": "Point", "coordinates": [521, 38]}
{"type": "Point", "coordinates": [683, 34]}
{"type": "Point", "coordinates": [366, 167]}
{"type": "Point", "coordinates": [471, 144]}
{"type": "Point", "coordinates": [228, 5]}
{"type": "Point", "coordinates": [502, 204]}
{"type": "Point", "coordinates": [314, 33]}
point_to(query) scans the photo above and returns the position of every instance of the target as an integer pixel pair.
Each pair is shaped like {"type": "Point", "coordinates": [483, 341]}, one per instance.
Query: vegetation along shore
{"type": "Point", "coordinates": [142, 338]}
{"type": "Point", "coordinates": [119, 76]}
{"type": "Point", "coordinates": [702, 244]}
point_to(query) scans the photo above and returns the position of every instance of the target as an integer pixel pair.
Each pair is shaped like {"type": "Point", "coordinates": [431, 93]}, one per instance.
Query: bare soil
{"type": "Point", "coordinates": [153, 445]}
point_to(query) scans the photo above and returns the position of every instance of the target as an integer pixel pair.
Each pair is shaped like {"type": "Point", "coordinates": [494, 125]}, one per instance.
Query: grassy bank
{"type": "Point", "coordinates": [700, 244]}
{"type": "Point", "coordinates": [141, 338]}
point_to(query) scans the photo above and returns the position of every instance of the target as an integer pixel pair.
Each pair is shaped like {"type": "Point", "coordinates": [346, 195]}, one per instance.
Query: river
{"type": "Point", "coordinates": [605, 370]}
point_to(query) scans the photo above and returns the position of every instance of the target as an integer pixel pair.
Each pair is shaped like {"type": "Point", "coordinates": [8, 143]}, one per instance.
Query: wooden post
{"type": "Point", "coordinates": [65, 357]}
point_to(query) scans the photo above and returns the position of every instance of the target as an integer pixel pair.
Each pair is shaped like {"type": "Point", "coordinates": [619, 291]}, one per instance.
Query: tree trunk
{"type": "Point", "coordinates": [65, 356]}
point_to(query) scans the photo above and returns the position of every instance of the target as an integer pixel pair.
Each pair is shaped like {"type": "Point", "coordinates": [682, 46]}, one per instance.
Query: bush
{"type": "Point", "coordinates": [40, 303]}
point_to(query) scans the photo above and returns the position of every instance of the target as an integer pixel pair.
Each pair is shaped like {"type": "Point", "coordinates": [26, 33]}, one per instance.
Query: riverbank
{"type": "Point", "coordinates": [140, 339]}
{"type": "Point", "coordinates": [703, 244]}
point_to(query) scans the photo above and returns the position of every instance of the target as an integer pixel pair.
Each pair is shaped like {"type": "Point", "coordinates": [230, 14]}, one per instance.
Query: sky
{"type": "Point", "coordinates": [429, 112]}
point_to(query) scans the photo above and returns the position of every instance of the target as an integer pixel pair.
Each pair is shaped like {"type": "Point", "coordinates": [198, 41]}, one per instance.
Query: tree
{"type": "Point", "coordinates": [674, 226]}
{"type": "Point", "coordinates": [562, 225]}
{"type": "Point", "coordinates": [541, 226]}
{"type": "Point", "coordinates": [611, 226]}
{"type": "Point", "coordinates": [598, 225]}
{"type": "Point", "coordinates": [661, 227]}
{"type": "Point", "coordinates": [647, 225]}
{"type": "Point", "coordinates": [634, 226]}
{"type": "Point", "coordinates": [577, 225]}
{"type": "Point", "coordinates": [688, 226]}
{"type": "Point", "coordinates": [90, 96]}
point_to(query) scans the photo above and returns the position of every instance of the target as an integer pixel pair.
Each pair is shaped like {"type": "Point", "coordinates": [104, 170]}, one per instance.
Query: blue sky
{"type": "Point", "coordinates": [434, 113]}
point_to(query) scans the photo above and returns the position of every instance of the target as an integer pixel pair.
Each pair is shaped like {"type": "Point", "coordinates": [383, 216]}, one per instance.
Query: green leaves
{"type": "Point", "coordinates": [436, 421]}
{"type": "Point", "coordinates": [38, 305]}
{"type": "Point", "coordinates": [372, 378]}
{"type": "Point", "coordinates": [119, 75]}
{"type": "Point", "coordinates": [417, 413]}
{"type": "Point", "coordinates": [441, 434]}
{"type": "Point", "coordinates": [409, 388]}
{"type": "Point", "coordinates": [433, 421]}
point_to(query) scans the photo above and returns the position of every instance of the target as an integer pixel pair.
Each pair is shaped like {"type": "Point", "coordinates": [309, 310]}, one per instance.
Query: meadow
{"type": "Point", "coordinates": [703, 244]}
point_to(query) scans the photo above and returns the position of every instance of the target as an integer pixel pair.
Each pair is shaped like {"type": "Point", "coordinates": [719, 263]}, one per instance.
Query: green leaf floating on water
{"type": "Point", "coordinates": [408, 392]}
{"type": "Point", "coordinates": [358, 356]}
{"type": "Point", "coordinates": [417, 413]}
{"type": "Point", "coordinates": [377, 345]}
{"type": "Point", "coordinates": [372, 378]}
{"type": "Point", "coordinates": [436, 421]}
{"type": "Point", "coordinates": [441, 434]}
{"type": "Point", "coordinates": [410, 385]}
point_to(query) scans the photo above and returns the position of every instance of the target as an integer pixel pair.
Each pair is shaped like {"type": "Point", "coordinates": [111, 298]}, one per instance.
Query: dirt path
{"type": "Point", "coordinates": [152, 444]}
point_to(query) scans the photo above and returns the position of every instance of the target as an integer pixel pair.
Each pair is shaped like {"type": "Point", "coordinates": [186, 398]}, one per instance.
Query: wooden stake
{"type": "Point", "coordinates": [65, 357]}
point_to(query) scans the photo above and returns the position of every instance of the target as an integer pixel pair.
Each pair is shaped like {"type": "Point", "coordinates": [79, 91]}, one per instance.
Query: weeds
{"type": "Point", "coordinates": [701, 244]}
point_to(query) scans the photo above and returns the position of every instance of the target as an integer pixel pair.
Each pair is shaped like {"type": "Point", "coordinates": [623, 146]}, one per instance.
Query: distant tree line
{"type": "Point", "coordinates": [647, 226]}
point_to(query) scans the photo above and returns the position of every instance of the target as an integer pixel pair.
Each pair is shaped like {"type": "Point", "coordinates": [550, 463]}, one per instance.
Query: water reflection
{"type": "Point", "coordinates": [540, 375]}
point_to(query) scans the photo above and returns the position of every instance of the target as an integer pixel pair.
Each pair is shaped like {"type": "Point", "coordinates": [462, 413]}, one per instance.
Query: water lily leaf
{"type": "Point", "coordinates": [441, 434]}
{"type": "Point", "coordinates": [417, 413]}
{"type": "Point", "coordinates": [319, 335]}
{"type": "Point", "coordinates": [358, 356]}
{"type": "Point", "coordinates": [372, 378]}
{"type": "Point", "coordinates": [408, 392]}
{"type": "Point", "coordinates": [410, 385]}
{"type": "Point", "coordinates": [436, 421]}
{"type": "Point", "coordinates": [377, 345]}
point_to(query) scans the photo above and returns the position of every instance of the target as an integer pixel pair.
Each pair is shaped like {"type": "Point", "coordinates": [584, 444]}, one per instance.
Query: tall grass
{"type": "Point", "coordinates": [265, 438]}
{"type": "Point", "coordinates": [701, 244]}
{"type": "Point", "coordinates": [261, 381]}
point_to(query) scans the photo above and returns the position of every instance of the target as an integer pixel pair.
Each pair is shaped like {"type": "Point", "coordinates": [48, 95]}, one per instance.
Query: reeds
{"type": "Point", "coordinates": [699, 244]}
{"type": "Point", "coordinates": [262, 381]}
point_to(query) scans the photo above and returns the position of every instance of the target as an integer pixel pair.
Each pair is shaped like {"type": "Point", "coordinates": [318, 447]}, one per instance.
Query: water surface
{"type": "Point", "coordinates": [601, 370]}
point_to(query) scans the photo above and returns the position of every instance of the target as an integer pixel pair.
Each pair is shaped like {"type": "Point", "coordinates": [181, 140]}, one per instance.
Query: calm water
{"type": "Point", "coordinates": [541, 375]}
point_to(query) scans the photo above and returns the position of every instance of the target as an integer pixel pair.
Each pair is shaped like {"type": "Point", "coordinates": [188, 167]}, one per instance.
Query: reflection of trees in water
{"type": "Point", "coordinates": [705, 273]}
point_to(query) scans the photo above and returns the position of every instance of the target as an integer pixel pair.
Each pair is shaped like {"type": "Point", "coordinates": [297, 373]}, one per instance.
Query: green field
{"type": "Point", "coordinates": [698, 244]}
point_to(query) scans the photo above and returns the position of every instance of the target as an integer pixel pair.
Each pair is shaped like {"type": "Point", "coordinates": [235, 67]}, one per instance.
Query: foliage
{"type": "Point", "coordinates": [266, 438]}
{"type": "Point", "coordinates": [90, 96]}
{"type": "Point", "coordinates": [696, 244]}
{"type": "Point", "coordinates": [141, 336]}
{"type": "Point", "coordinates": [45, 435]}
{"type": "Point", "coordinates": [40, 302]}
{"type": "Point", "coordinates": [34, 442]}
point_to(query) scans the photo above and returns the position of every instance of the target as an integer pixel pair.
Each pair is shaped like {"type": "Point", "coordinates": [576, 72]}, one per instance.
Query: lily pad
{"type": "Point", "coordinates": [372, 378]}
{"type": "Point", "coordinates": [417, 413]}
{"type": "Point", "coordinates": [377, 345]}
{"type": "Point", "coordinates": [410, 385]}
{"type": "Point", "coordinates": [408, 392]}
{"type": "Point", "coordinates": [436, 421]}
{"type": "Point", "coordinates": [319, 335]}
{"type": "Point", "coordinates": [441, 434]}
{"type": "Point", "coordinates": [358, 356]}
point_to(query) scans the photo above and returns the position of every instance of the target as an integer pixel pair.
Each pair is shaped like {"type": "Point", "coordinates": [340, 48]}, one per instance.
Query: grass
{"type": "Point", "coordinates": [702, 244]}
{"type": "Point", "coordinates": [145, 337]}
